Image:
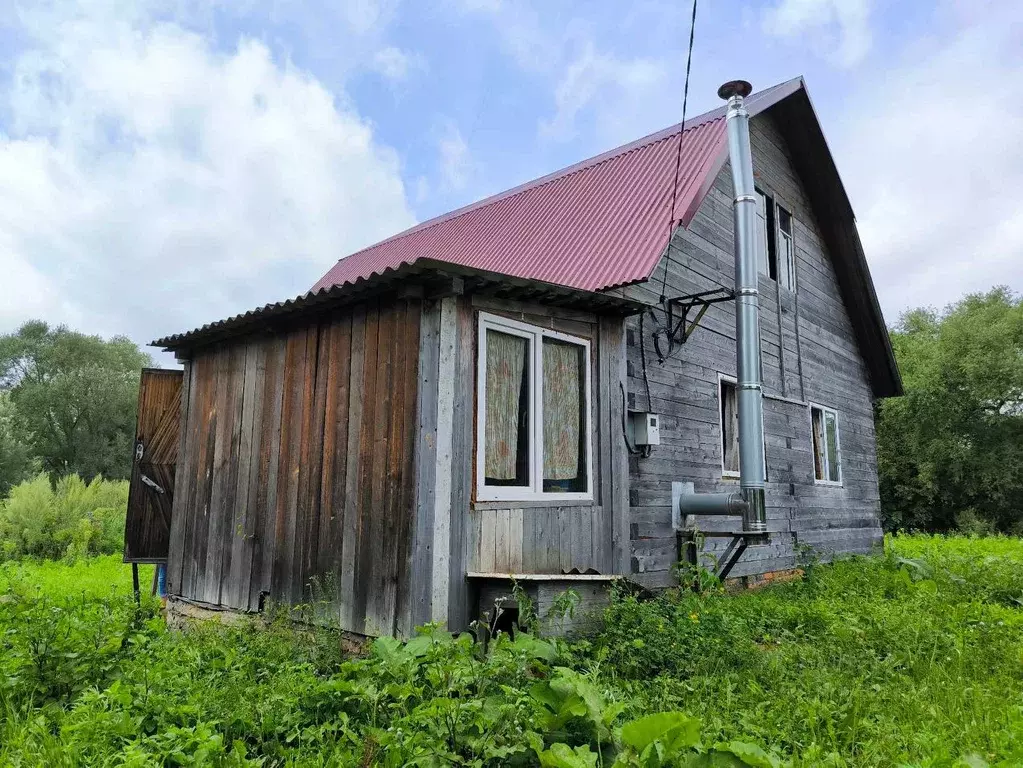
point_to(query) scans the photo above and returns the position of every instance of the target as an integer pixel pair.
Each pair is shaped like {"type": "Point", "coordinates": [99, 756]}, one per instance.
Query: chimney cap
{"type": "Point", "coordinates": [735, 88]}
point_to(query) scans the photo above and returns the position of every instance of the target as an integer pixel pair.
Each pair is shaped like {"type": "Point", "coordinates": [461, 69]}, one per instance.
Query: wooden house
{"type": "Point", "coordinates": [463, 401]}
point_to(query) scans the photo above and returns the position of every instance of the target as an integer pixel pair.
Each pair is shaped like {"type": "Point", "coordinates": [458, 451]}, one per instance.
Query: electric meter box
{"type": "Point", "coordinates": [645, 427]}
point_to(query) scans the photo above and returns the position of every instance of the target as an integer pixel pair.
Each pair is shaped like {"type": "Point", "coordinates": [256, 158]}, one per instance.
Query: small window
{"type": "Point", "coordinates": [764, 239]}
{"type": "Point", "coordinates": [533, 413]}
{"type": "Point", "coordinates": [776, 255]}
{"type": "Point", "coordinates": [729, 401]}
{"type": "Point", "coordinates": [786, 256]}
{"type": "Point", "coordinates": [827, 453]}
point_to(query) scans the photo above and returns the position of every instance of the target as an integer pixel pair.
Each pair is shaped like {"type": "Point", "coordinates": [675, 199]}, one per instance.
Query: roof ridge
{"type": "Point", "coordinates": [595, 161]}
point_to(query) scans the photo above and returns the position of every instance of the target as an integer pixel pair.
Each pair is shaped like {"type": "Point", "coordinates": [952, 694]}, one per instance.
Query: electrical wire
{"type": "Point", "coordinates": [642, 355]}
{"type": "Point", "coordinates": [678, 154]}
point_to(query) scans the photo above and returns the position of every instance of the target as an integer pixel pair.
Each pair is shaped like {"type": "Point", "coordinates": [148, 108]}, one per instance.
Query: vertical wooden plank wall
{"type": "Point", "coordinates": [297, 469]}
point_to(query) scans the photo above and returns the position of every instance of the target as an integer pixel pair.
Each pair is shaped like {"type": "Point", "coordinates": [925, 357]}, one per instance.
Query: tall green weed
{"type": "Point", "coordinates": [70, 520]}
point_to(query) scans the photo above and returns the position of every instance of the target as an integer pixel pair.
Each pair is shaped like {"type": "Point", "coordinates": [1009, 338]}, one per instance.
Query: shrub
{"type": "Point", "coordinates": [72, 519]}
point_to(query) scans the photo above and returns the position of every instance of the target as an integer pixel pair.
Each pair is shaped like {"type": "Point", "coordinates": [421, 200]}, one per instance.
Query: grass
{"type": "Point", "coordinates": [92, 578]}
{"type": "Point", "coordinates": [910, 659]}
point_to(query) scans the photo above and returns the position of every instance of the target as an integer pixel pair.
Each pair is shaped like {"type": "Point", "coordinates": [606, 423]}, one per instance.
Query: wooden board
{"type": "Point", "coordinates": [147, 530]}
{"type": "Point", "coordinates": [298, 474]}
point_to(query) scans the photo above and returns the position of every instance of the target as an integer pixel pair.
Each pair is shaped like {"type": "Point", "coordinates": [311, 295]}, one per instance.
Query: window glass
{"type": "Point", "coordinates": [533, 432]}
{"type": "Point", "coordinates": [784, 221]}
{"type": "Point", "coordinates": [819, 451]}
{"type": "Point", "coordinates": [507, 409]}
{"type": "Point", "coordinates": [827, 466]}
{"type": "Point", "coordinates": [564, 417]}
{"type": "Point", "coordinates": [787, 254]}
{"type": "Point", "coordinates": [831, 429]}
{"type": "Point", "coordinates": [729, 428]}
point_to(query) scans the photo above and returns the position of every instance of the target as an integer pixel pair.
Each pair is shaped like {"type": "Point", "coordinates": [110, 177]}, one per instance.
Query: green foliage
{"type": "Point", "coordinates": [72, 520]}
{"type": "Point", "coordinates": [908, 659]}
{"type": "Point", "coordinates": [17, 463]}
{"type": "Point", "coordinates": [679, 632]}
{"type": "Point", "coordinates": [950, 452]}
{"type": "Point", "coordinates": [75, 398]}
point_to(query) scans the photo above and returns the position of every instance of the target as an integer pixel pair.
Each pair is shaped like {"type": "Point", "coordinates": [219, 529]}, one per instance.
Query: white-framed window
{"type": "Point", "coordinates": [728, 416]}
{"type": "Point", "coordinates": [533, 438]}
{"type": "Point", "coordinates": [827, 447]}
{"type": "Point", "coordinates": [786, 251]}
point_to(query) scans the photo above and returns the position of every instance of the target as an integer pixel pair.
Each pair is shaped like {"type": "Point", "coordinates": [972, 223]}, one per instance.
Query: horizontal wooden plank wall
{"type": "Point", "coordinates": [820, 363]}
{"type": "Point", "coordinates": [157, 429]}
{"type": "Point", "coordinates": [548, 537]}
{"type": "Point", "coordinates": [297, 480]}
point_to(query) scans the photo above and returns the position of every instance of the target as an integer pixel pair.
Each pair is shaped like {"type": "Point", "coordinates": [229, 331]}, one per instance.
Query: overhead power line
{"type": "Point", "coordinates": [678, 154]}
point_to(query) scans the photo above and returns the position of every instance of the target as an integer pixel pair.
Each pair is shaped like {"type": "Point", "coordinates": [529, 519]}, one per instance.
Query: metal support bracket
{"type": "Point", "coordinates": [679, 327]}
{"type": "Point", "coordinates": [732, 554]}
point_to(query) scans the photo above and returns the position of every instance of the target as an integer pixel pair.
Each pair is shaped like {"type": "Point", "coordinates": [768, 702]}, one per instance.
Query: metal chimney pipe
{"type": "Point", "coordinates": [752, 462]}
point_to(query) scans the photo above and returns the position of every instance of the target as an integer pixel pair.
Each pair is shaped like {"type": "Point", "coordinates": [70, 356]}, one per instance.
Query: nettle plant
{"type": "Point", "coordinates": [442, 699]}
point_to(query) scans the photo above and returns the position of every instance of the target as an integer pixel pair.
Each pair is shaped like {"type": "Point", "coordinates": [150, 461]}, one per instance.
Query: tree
{"type": "Point", "coordinates": [75, 397]}
{"type": "Point", "coordinates": [17, 462]}
{"type": "Point", "coordinates": [950, 452]}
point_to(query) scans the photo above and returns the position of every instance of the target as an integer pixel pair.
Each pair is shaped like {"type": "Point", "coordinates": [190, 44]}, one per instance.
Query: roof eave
{"type": "Point", "coordinates": [392, 280]}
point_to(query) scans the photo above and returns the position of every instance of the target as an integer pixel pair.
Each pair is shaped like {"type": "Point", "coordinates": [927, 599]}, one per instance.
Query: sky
{"type": "Point", "coordinates": [167, 164]}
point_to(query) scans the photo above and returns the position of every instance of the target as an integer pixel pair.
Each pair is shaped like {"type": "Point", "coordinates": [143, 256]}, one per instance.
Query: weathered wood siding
{"type": "Point", "coordinates": [296, 481]}
{"type": "Point", "coordinates": [148, 522]}
{"type": "Point", "coordinates": [810, 356]}
{"type": "Point", "coordinates": [548, 536]}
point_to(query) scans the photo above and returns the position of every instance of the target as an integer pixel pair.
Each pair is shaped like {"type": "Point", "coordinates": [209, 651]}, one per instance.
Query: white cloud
{"type": "Point", "coordinates": [455, 159]}
{"type": "Point", "coordinates": [838, 30]}
{"type": "Point", "coordinates": [149, 184]}
{"type": "Point", "coordinates": [624, 83]}
{"type": "Point", "coordinates": [932, 158]}
{"type": "Point", "coordinates": [612, 92]}
{"type": "Point", "coordinates": [520, 31]}
{"type": "Point", "coordinates": [395, 64]}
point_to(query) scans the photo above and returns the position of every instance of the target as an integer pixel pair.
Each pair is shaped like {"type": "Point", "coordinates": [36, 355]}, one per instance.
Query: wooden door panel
{"type": "Point", "coordinates": [151, 495]}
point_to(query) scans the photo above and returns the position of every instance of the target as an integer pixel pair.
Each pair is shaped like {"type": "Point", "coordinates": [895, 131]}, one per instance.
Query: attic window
{"type": "Point", "coordinates": [533, 430]}
{"type": "Point", "coordinates": [785, 252]}
{"type": "Point", "coordinates": [776, 254]}
{"type": "Point", "coordinates": [827, 453]}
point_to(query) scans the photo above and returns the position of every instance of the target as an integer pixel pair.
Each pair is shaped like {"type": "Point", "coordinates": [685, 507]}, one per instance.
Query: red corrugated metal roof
{"type": "Point", "coordinates": [595, 225]}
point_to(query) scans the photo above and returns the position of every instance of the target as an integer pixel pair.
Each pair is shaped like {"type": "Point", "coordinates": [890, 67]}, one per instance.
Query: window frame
{"type": "Point", "coordinates": [534, 491]}
{"type": "Point", "coordinates": [770, 257]}
{"type": "Point", "coordinates": [764, 257]}
{"type": "Point", "coordinates": [728, 474]}
{"type": "Point", "coordinates": [824, 409]}
{"type": "Point", "coordinates": [790, 266]}
{"type": "Point", "coordinates": [723, 378]}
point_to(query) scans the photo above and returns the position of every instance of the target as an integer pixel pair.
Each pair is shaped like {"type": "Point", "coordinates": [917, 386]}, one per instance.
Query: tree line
{"type": "Point", "coordinates": [950, 451]}
{"type": "Point", "coordinates": [67, 404]}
